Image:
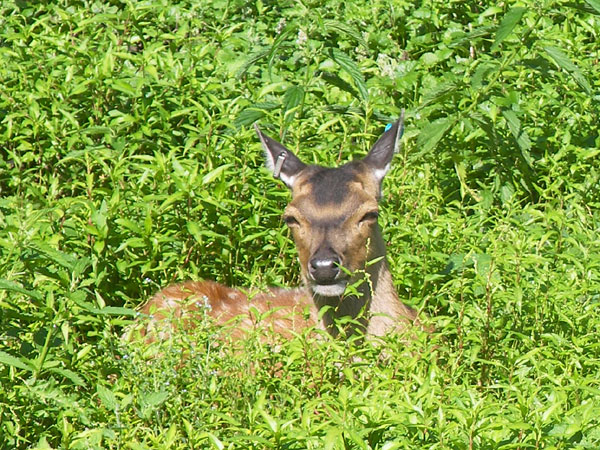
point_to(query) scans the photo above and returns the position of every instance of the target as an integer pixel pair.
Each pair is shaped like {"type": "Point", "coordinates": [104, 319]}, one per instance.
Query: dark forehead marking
{"type": "Point", "coordinates": [331, 185]}
{"type": "Point", "coordinates": [328, 222]}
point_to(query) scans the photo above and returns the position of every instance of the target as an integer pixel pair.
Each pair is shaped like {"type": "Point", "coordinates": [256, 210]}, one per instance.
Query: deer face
{"type": "Point", "coordinates": [332, 215]}
{"type": "Point", "coordinates": [333, 212]}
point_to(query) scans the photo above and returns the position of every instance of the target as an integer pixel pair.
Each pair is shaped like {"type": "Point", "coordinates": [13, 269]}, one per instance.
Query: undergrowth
{"type": "Point", "coordinates": [128, 161]}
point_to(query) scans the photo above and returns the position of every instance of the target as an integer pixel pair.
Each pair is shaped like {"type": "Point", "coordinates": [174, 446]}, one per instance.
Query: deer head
{"type": "Point", "coordinates": [333, 213]}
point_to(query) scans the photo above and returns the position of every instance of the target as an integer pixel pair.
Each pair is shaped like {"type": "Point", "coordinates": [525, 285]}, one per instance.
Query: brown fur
{"type": "Point", "coordinates": [333, 218]}
{"type": "Point", "coordinates": [286, 311]}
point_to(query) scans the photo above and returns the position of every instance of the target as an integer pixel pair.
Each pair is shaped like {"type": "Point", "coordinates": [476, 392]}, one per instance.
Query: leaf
{"type": "Point", "coordinates": [272, 423]}
{"type": "Point", "coordinates": [356, 438]}
{"type": "Point", "coordinates": [565, 63]}
{"type": "Point", "coordinates": [248, 117]}
{"type": "Point", "coordinates": [153, 399]}
{"type": "Point", "coordinates": [210, 176]}
{"type": "Point", "coordinates": [79, 298]}
{"type": "Point", "coordinates": [253, 113]}
{"type": "Point", "coordinates": [336, 81]}
{"type": "Point", "coordinates": [594, 4]}
{"type": "Point", "coordinates": [483, 263]}
{"type": "Point", "coordinates": [390, 445]}
{"type": "Point", "coordinates": [520, 135]}
{"type": "Point", "coordinates": [332, 438]}
{"type": "Point", "coordinates": [97, 130]}
{"type": "Point", "coordinates": [66, 260]}
{"type": "Point", "coordinates": [456, 262]}
{"type": "Point", "coordinates": [69, 375]}
{"type": "Point", "coordinates": [194, 229]}
{"type": "Point", "coordinates": [350, 67]}
{"type": "Point", "coordinates": [293, 97]}
{"type": "Point", "coordinates": [215, 442]}
{"type": "Point", "coordinates": [42, 444]}
{"type": "Point", "coordinates": [509, 21]}
{"type": "Point", "coordinates": [171, 436]}
{"type": "Point", "coordinates": [481, 74]}
{"type": "Point", "coordinates": [129, 225]}
{"type": "Point", "coordinates": [10, 360]}
{"type": "Point", "coordinates": [107, 397]}
{"type": "Point", "coordinates": [439, 92]}
{"type": "Point", "coordinates": [116, 311]}
{"type": "Point", "coordinates": [108, 63]}
{"type": "Point", "coordinates": [14, 287]}
{"type": "Point", "coordinates": [252, 59]}
{"type": "Point", "coordinates": [279, 42]}
{"type": "Point", "coordinates": [124, 87]}
{"type": "Point", "coordinates": [344, 29]}
{"type": "Point", "coordinates": [472, 36]}
{"type": "Point", "coordinates": [432, 133]}
{"type": "Point", "coordinates": [560, 58]}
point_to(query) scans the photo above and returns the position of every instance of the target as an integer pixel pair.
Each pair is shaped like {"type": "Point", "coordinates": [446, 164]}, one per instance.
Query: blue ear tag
{"type": "Point", "coordinates": [388, 126]}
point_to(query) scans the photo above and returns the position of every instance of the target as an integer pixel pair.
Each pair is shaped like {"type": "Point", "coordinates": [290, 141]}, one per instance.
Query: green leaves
{"type": "Point", "coordinates": [509, 21]}
{"type": "Point", "coordinates": [433, 133]}
{"type": "Point", "coordinates": [563, 61]}
{"type": "Point", "coordinates": [350, 67]}
{"type": "Point", "coordinates": [594, 4]}
{"type": "Point", "coordinates": [344, 30]}
{"type": "Point", "coordinates": [293, 97]}
{"type": "Point", "coordinates": [13, 361]}
{"type": "Point", "coordinates": [521, 136]}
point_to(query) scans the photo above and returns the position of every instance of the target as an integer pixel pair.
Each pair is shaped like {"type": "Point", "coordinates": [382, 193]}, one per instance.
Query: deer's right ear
{"type": "Point", "coordinates": [282, 162]}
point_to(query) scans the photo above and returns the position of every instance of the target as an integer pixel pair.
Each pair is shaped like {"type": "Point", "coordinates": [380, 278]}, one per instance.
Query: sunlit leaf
{"type": "Point", "coordinates": [10, 360]}
{"type": "Point", "coordinates": [594, 4]}
{"type": "Point", "coordinates": [509, 21]}
{"type": "Point", "coordinates": [565, 63]}
{"type": "Point", "coordinates": [293, 97]}
{"type": "Point", "coordinates": [350, 67]}
{"type": "Point", "coordinates": [14, 287]}
{"type": "Point", "coordinates": [433, 133]}
{"type": "Point", "coordinates": [73, 377]}
{"type": "Point", "coordinates": [520, 135]}
{"type": "Point", "coordinates": [107, 397]}
{"type": "Point", "coordinates": [344, 29]}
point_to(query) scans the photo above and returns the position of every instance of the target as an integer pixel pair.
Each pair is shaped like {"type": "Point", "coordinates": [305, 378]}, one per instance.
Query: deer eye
{"type": "Point", "coordinates": [369, 217]}
{"type": "Point", "coordinates": [291, 221]}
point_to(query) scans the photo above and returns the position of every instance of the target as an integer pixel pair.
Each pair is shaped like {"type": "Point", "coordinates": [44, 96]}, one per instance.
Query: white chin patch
{"type": "Point", "coordinates": [329, 290]}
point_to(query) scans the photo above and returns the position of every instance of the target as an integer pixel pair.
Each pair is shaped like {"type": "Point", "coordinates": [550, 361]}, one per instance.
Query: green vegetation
{"type": "Point", "coordinates": [127, 161]}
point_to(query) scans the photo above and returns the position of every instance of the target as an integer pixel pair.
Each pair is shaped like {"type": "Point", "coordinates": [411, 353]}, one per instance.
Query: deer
{"type": "Point", "coordinates": [333, 218]}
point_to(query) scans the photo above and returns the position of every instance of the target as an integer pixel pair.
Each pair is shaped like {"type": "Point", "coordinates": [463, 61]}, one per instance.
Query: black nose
{"type": "Point", "coordinates": [324, 269]}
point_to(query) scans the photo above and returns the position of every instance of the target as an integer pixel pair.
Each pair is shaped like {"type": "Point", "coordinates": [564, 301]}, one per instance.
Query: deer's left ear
{"type": "Point", "coordinates": [379, 159]}
{"type": "Point", "coordinates": [283, 163]}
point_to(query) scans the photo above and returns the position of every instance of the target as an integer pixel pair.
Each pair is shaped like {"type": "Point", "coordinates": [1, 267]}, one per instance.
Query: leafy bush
{"type": "Point", "coordinates": [129, 162]}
